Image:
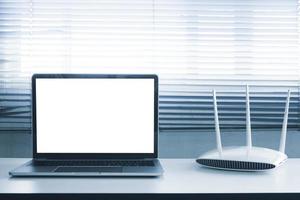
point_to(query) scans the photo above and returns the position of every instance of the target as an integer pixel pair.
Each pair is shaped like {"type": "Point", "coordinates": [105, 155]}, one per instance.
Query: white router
{"type": "Point", "coordinates": [245, 158]}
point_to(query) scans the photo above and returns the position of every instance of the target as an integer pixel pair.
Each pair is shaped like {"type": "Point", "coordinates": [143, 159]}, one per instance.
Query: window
{"type": "Point", "coordinates": [193, 45]}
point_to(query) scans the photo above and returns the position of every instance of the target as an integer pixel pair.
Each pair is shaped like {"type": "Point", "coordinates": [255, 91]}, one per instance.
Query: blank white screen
{"type": "Point", "coordinates": [95, 115]}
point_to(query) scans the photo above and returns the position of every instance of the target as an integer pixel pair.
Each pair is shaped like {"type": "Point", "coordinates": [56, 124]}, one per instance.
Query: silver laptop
{"type": "Point", "coordinates": [93, 125]}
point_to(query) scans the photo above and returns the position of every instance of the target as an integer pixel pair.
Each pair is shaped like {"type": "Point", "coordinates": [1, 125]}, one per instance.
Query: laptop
{"type": "Point", "coordinates": [93, 125]}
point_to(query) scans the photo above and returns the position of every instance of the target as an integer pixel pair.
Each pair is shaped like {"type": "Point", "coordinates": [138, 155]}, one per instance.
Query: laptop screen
{"type": "Point", "coordinates": [95, 115]}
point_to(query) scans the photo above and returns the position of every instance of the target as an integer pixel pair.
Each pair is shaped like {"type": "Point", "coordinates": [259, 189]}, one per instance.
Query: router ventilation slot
{"type": "Point", "coordinates": [231, 164]}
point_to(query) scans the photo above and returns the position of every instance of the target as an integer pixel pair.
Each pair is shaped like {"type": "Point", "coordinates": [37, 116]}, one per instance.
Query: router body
{"type": "Point", "coordinates": [238, 158]}
{"type": "Point", "coordinates": [245, 158]}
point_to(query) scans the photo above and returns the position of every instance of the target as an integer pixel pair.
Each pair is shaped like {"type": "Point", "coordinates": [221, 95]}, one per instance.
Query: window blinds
{"type": "Point", "coordinates": [193, 45]}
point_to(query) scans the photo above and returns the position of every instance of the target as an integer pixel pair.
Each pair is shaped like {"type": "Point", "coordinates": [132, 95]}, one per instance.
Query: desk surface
{"type": "Point", "coordinates": [181, 176]}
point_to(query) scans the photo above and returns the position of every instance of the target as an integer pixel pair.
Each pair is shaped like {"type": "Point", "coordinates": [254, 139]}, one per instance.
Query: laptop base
{"type": "Point", "coordinates": [31, 170]}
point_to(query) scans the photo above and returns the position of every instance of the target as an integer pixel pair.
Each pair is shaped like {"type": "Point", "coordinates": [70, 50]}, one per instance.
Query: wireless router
{"type": "Point", "coordinates": [245, 158]}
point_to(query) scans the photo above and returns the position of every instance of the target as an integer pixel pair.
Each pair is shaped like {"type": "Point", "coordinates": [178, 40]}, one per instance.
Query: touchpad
{"type": "Point", "coordinates": [89, 169]}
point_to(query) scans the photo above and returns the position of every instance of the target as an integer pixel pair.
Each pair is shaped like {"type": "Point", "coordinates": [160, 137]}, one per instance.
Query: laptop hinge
{"type": "Point", "coordinates": [44, 159]}
{"type": "Point", "coordinates": [40, 159]}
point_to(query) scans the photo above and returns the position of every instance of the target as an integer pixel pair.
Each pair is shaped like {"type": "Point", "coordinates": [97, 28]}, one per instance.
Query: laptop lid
{"type": "Point", "coordinates": [89, 116]}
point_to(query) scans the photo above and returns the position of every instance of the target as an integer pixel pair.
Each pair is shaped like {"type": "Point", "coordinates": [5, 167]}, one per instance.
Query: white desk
{"type": "Point", "coordinates": [181, 177]}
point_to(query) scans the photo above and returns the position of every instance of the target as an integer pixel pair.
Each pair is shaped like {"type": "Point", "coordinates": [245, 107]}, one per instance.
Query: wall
{"type": "Point", "coordinates": [175, 144]}
{"type": "Point", "coordinates": [192, 144]}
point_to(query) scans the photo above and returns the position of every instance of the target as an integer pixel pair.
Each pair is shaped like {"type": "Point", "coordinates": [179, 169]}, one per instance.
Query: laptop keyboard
{"type": "Point", "coordinates": [122, 163]}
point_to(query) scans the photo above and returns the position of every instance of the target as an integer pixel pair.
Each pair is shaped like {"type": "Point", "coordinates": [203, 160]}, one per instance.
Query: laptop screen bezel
{"type": "Point", "coordinates": [37, 155]}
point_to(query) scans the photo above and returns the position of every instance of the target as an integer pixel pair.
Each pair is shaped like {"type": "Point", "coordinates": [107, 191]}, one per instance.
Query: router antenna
{"type": "Point", "coordinates": [217, 127]}
{"type": "Point", "coordinates": [248, 120]}
{"type": "Point", "coordinates": [285, 123]}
